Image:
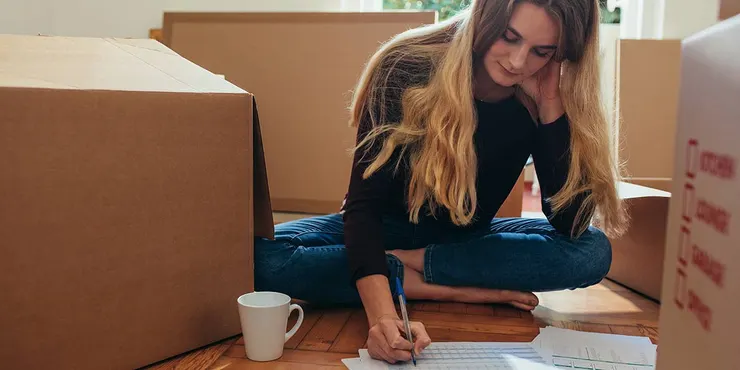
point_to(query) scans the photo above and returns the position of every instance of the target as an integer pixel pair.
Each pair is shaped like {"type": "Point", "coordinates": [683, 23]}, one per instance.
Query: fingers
{"type": "Point", "coordinates": [399, 347]}
{"type": "Point", "coordinates": [386, 342]}
{"type": "Point", "coordinates": [375, 352]}
{"type": "Point", "coordinates": [421, 338]}
{"type": "Point", "coordinates": [377, 347]}
{"type": "Point", "coordinates": [406, 343]}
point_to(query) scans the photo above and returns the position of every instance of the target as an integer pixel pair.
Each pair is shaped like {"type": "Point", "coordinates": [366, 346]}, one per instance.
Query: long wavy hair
{"type": "Point", "coordinates": [439, 117]}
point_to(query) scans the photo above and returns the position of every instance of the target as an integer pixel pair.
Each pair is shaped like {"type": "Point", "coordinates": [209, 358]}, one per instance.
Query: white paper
{"type": "Point", "coordinates": [583, 350]}
{"type": "Point", "coordinates": [469, 356]}
{"type": "Point", "coordinates": [353, 363]}
{"type": "Point", "coordinates": [554, 348]}
{"type": "Point", "coordinates": [553, 331]}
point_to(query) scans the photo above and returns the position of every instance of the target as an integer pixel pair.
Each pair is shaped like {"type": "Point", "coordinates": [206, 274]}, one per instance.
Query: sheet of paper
{"type": "Point", "coordinates": [553, 331]}
{"type": "Point", "coordinates": [583, 350]}
{"type": "Point", "coordinates": [353, 363]}
{"type": "Point", "coordinates": [469, 356]}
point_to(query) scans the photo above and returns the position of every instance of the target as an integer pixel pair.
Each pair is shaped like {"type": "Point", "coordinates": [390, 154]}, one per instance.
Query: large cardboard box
{"type": "Point", "coordinates": [131, 188]}
{"type": "Point", "coordinates": [647, 101]}
{"type": "Point", "coordinates": [699, 318]}
{"type": "Point", "coordinates": [303, 68]}
{"type": "Point", "coordinates": [638, 254]}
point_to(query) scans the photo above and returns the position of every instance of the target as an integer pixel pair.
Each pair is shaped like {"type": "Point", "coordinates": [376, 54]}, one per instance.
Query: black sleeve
{"type": "Point", "coordinates": [551, 155]}
{"type": "Point", "coordinates": [367, 198]}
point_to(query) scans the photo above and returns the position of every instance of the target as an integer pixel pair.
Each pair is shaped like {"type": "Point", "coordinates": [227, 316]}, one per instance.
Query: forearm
{"type": "Point", "coordinates": [376, 297]}
{"type": "Point", "coordinates": [552, 157]}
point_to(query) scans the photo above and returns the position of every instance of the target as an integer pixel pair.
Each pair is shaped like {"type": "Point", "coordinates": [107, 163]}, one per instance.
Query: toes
{"type": "Point", "coordinates": [524, 298]}
{"type": "Point", "coordinates": [522, 306]}
{"type": "Point", "coordinates": [531, 300]}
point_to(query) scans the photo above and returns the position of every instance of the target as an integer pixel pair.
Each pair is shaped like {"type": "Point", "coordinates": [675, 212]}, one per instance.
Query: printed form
{"type": "Point", "coordinates": [572, 349]}
{"type": "Point", "coordinates": [463, 356]}
{"type": "Point", "coordinates": [553, 349]}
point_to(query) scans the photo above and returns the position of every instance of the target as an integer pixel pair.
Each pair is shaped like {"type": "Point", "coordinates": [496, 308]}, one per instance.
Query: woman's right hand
{"type": "Point", "coordinates": [386, 342]}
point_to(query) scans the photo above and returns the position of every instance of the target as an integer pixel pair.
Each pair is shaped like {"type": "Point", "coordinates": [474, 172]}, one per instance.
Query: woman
{"type": "Point", "coordinates": [448, 115]}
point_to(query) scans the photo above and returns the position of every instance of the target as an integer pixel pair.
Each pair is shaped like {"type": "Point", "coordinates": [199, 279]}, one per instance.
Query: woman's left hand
{"type": "Point", "coordinates": [544, 88]}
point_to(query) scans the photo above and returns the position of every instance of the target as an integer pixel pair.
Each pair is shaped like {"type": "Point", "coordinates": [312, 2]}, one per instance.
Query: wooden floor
{"type": "Point", "coordinates": [328, 336]}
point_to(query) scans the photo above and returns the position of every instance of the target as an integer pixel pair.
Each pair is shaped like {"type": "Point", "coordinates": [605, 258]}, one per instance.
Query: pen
{"type": "Point", "coordinates": [405, 314]}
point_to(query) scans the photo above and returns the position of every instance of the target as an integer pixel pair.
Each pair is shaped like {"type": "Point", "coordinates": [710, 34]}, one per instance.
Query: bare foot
{"type": "Point", "coordinates": [416, 288]}
{"type": "Point", "coordinates": [413, 258]}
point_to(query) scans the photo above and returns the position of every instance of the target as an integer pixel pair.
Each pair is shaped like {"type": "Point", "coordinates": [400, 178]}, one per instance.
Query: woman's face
{"type": "Point", "coordinates": [528, 43]}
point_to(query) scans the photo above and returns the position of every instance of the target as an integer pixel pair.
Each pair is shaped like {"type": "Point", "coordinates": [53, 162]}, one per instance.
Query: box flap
{"type": "Point", "coordinates": [264, 223]}
{"type": "Point", "coordinates": [102, 64]}
{"type": "Point", "coordinates": [628, 190]}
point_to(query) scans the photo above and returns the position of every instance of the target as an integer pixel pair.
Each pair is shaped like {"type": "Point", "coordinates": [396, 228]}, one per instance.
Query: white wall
{"type": "Point", "coordinates": [134, 18]}
{"type": "Point", "coordinates": [666, 19]}
{"type": "Point", "coordinates": [25, 17]}
{"type": "Point", "coordinates": [682, 18]}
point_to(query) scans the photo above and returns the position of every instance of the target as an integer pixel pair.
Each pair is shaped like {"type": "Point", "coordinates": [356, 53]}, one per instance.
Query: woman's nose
{"type": "Point", "coordinates": [518, 58]}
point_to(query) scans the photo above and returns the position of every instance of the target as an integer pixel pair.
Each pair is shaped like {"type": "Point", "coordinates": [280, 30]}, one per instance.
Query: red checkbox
{"type": "Point", "coordinates": [689, 198]}
{"type": "Point", "coordinates": [684, 245]}
{"type": "Point", "coordinates": [681, 289]}
{"type": "Point", "coordinates": [692, 158]}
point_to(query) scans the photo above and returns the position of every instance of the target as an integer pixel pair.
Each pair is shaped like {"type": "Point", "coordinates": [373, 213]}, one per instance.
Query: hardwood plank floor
{"type": "Point", "coordinates": [329, 335]}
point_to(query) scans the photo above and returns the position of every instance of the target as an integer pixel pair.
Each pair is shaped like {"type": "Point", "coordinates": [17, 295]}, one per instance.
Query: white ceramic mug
{"type": "Point", "coordinates": [264, 318]}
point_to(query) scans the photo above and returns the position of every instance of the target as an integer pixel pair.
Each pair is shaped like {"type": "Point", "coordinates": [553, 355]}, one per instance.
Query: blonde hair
{"type": "Point", "coordinates": [435, 63]}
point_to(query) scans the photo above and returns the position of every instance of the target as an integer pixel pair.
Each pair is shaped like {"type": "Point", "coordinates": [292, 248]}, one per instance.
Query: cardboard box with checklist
{"type": "Point", "coordinates": [701, 279]}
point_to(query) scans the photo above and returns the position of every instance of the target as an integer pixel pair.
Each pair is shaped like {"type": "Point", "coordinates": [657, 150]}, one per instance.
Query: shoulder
{"type": "Point", "coordinates": [403, 69]}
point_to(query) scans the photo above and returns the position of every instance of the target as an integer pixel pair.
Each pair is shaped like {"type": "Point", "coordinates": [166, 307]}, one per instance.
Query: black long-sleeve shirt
{"type": "Point", "coordinates": [506, 135]}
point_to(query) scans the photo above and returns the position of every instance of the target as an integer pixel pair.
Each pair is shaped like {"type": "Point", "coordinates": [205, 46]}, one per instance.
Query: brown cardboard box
{"type": "Point", "coordinates": [647, 101]}
{"type": "Point", "coordinates": [638, 255]}
{"type": "Point", "coordinates": [303, 68]}
{"type": "Point", "coordinates": [699, 318]}
{"type": "Point", "coordinates": [728, 8]}
{"type": "Point", "coordinates": [127, 215]}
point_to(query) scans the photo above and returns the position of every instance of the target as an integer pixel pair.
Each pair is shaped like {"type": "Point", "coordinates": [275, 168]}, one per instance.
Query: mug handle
{"type": "Point", "coordinates": [298, 323]}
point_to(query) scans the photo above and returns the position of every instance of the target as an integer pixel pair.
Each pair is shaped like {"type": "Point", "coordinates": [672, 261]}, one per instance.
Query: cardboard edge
{"type": "Point", "coordinates": [264, 226]}
{"type": "Point", "coordinates": [168, 21]}
{"type": "Point", "coordinates": [728, 10]}
{"type": "Point", "coordinates": [300, 17]}
{"type": "Point", "coordinates": [171, 17]}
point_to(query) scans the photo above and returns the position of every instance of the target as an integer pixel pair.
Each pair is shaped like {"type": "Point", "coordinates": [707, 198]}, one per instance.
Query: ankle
{"type": "Point", "coordinates": [410, 258]}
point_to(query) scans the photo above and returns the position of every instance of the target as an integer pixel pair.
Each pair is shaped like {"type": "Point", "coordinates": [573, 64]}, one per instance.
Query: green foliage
{"type": "Point", "coordinates": [448, 8]}
{"type": "Point", "coordinates": [607, 16]}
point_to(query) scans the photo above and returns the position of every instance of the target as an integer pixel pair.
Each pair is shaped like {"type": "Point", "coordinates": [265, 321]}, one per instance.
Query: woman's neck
{"type": "Point", "coordinates": [487, 90]}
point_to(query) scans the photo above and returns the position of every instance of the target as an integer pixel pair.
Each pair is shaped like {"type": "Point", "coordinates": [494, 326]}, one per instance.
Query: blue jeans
{"type": "Point", "coordinates": [307, 259]}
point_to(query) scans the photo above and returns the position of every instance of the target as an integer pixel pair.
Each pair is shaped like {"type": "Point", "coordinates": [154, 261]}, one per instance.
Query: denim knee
{"type": "Point", "coordinates": [599, 255]}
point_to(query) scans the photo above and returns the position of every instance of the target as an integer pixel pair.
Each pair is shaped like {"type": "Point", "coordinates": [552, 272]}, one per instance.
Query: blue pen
{"type": "Point", "coordinates": [407, 325]}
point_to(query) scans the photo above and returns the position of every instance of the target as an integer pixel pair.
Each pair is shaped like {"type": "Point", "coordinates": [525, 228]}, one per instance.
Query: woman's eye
{"type": "Point", "coordinates": [509, 39]}
{"type": "Point", "coordinates": [540, 54]}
